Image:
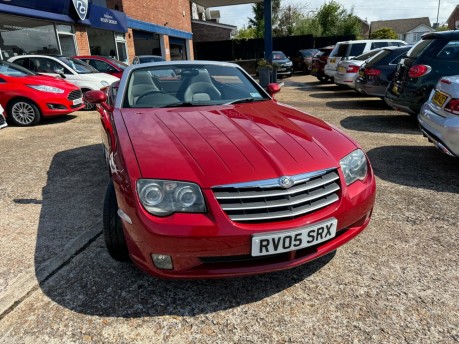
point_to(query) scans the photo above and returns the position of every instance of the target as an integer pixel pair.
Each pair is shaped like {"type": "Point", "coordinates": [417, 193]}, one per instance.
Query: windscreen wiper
{"type": "Point", "coordinates": [244, 100]}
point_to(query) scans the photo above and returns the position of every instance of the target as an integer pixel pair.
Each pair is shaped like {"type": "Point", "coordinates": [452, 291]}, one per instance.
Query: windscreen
{"type": "Point", "coordinates": [183, 85]}
{"type": "Point", "coordinates": [78, 66]}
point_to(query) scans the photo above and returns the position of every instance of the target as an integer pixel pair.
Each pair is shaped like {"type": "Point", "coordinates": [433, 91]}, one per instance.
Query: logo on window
{"type": "Point", "coordinates": [81, 7]}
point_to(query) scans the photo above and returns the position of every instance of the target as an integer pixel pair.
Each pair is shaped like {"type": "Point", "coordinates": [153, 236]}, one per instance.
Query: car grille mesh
{"type": "Point", "coordinates": [75, 95]}
{"type": "Point", "coordinates": [252, 203]}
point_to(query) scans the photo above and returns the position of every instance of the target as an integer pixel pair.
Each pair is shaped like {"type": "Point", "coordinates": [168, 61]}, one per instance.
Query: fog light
{"type": "Point", "coordinates": [162, 261]}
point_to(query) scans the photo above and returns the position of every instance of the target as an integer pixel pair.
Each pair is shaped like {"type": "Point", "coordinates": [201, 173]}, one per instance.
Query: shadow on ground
{"type": "Point", "coordinates": [93, 283]}
{"type": "Point", "coordinates": [357, 104]}
{"type": "Point", "coordinates": [391, 124]}
{"type": "Point", "coordinates": [418, 167]}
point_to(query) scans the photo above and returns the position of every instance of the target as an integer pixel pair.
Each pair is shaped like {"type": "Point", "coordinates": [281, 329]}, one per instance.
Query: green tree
{"type": "Point", "coordinates": [334, 19]}
{"type": "Point", "coordinates": [384, 32]}
{"type": "Point", "coordinates": [245, 33]}
{"type": "Point", "coordinates": [290, 18]}
{"type": "Point", "coordinates": [258, 22]}
{"type": "Point", "coordinates": [443, 27]}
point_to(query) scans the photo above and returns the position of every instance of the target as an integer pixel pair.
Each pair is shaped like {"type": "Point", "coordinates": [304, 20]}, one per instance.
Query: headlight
{"type": "Point", "coordinates": [165, 197]}
{"type": "Point", "coordinates": [45, 88]}
{"type": "Point", "coordinates": [288, 63]}
{"type": "Point", "coordinates": [104, 83]}
{"type": "Point", "coordinates": [354, 166]}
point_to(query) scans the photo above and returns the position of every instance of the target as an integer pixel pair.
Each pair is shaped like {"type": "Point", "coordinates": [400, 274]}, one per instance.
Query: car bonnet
{"type": "Point", "coordinates": [229, 144]}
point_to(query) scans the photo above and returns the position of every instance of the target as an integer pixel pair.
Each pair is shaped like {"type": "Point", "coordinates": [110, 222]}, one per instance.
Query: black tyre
{"type": "Point", "coordinates": [113, 229]}
{"type": "Point", "coordinates": [23, 113]}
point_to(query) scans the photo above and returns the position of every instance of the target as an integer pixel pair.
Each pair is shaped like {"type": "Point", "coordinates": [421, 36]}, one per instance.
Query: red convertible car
{"type": "Point", "coordinates": [212, 177]}
{"type": "Point", "coordinates": [27, 97]}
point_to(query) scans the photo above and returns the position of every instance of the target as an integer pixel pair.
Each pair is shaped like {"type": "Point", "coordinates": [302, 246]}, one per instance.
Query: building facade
{"type": "Point", "coordinates": [116, 28]}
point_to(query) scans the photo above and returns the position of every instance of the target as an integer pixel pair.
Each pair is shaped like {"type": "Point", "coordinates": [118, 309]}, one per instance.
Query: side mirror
{"type": "Point", "coordinates": [272, 89]}
{"type": "Point", "coordinates": [60, 71]}
{"type": "Point", "coordinates": [95, 97]}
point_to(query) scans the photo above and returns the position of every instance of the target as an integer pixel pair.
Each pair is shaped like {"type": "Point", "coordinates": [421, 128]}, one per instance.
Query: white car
{"type": "Point", "coordinates": [2, 118]}
{"type": "Point", "coordinates": [72, 70]}
{"type": "Point", "coordinates": [348, 49]}
{"type": "Point", "coordinates": [439, 116]}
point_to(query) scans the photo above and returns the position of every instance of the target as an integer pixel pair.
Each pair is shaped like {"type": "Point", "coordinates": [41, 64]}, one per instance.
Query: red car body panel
{"type": "Point", "coordinates": [217, 145]}
{"type": "Point", "coordinates": [16, 87]}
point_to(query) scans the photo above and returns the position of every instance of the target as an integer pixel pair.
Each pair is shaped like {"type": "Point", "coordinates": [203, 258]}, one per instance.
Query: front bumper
{"type": "Point", "coordinates": [212, 246]}
{"type": "Point", "coordinates": [442, 132]}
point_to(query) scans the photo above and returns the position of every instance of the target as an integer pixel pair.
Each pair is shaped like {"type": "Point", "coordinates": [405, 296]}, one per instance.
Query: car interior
{"type": "Point", "coordinates": [156, 87]}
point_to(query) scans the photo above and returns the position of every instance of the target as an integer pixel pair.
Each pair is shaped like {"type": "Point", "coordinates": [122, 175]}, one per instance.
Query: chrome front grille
{"type": "Point", "coordinates": [75, 95]}
{"type": "Point", "coordinates": [266, 200]}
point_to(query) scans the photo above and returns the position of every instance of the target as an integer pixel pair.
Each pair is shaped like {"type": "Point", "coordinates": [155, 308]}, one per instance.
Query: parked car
{"type": "Point", "coordinates": [104, 64]}
{"type": "Point", "coordinates": [284, 64]}
{"type": "Point", "coordinates": [303, 60]}
{"type": "Point", "coordinates": [213, 178]}
{"type": "Point", "coordinates": [348, 70]}
{"type": "Point", "coordinates": [348, 49]}
{"type": "Point", "coordinates": [72, 70]}
{"type": "Point", "coordinates": [318, 63]}
{"type": "Point", "coordinates": [439, 116]}
{"type": "Point", "coordinates": [379, 70]}
{"type": "Point", "coordinates": [147, 59]}
{"type": "Point", "coordinates": [28, 97]}
{"type": "Point", "coordinates": [3, 123]}
{"type": "Point", "coordinates": [436, 55]}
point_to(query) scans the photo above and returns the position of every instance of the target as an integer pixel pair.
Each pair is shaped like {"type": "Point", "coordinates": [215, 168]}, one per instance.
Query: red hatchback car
{"type": "Point", "coordinates": [105, 64]}
{"type": "Point", "coordinates": [211, 177]}
{"type": "Point", "coordinates": [27, 97]}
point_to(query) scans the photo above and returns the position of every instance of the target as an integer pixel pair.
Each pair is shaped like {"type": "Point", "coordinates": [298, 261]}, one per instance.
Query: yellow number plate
{"type": "Point", "coordinates": [439, 98]}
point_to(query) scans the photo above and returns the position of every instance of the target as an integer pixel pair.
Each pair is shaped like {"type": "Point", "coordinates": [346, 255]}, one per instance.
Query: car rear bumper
{"type": "Point", "coordinates": [409, 100]}
{"type": "Point", "coordinates": [212, 246]}
{"type": "Point", "coordinates": [345, 80]}
{"type": "Point", "coordinates": [442, 132]}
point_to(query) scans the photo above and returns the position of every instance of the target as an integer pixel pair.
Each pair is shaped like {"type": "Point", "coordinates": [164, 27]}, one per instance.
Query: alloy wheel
{"type": "Point", "coordinates": [23, 113]}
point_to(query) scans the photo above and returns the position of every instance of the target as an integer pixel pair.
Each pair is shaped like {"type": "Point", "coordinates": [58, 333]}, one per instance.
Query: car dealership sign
{"type": "Point", "coordinates": [81, 7]}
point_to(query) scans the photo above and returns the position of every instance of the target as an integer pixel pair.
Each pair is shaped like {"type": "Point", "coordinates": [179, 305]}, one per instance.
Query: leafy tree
{"type": "Point", "coordinates": [258, 22]}
{"type": "Point", "coordinates": [444, 27]}
{"type": "Point", "coordinates": [384, 32]}
{"type": "Point", "coordinates": [289, 21]}
{"type": "Point", "coordinates": [334, 19]}
{"type": "Point", "coordinates": [308, 26]}
{"type": "Point", "coordinates": [245, 33]}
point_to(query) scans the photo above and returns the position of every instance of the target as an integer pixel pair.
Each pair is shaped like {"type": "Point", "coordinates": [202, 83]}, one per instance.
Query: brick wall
{"type": "Point", "coordinates": [82, 40]}
{"type": "Point", "coordinates": [203, 32]}
{"type": "Point", "coordinates": [130, 45]}
{"type": "Point", "coordinates": [176, 13]}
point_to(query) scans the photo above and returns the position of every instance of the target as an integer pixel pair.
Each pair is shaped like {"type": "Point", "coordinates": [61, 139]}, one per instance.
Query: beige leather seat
{"type": "Point", "coordinates": [142, 83]}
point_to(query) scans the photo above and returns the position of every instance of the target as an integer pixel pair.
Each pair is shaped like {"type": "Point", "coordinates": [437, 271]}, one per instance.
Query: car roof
{"type": "Point", "coordinates": [441, 34]}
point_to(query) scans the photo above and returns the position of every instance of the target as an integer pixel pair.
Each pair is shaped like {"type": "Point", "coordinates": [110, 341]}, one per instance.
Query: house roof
{"type": "Point", "coordinates": [400, 26]}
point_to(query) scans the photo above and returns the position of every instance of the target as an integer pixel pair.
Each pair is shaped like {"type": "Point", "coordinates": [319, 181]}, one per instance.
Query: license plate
{"type": "Point", "coordinates": [278, 242]}
{"type": "Point", "coordinates": [78, 101]}
{"type": "Point", "coordinates": [361, 74]}
{"type": "Point", "coordinates": [395, 89]}
{"type": "Point", "coordinates": [439, 98]}
{"type": "Point", "coordinates": [281, 69]}
{"type": "Point", "coordinates": [314, 70]}
{"type": "Point", "coordinates": [341, 70]}
{"type": "Point", "coordinates": [332, 60]}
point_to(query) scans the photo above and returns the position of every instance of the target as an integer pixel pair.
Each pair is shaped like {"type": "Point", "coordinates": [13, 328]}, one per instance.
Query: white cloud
{"type": "Point", "coordinates": [382, 10]}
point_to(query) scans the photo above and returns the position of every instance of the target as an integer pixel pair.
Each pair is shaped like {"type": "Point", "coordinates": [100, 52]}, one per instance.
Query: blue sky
{"type": "Point", "coordinates": [381, 10]}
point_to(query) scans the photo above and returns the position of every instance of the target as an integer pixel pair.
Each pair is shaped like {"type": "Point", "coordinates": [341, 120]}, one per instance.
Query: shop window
{"type": "Point", "coordinates": [19, 36]}
{"type": "Point", "coordinates": [102, 43]}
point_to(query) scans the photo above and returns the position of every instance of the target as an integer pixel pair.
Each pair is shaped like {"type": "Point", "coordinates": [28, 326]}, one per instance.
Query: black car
{"type": "Point", "coordinates": [283, 63]}
{"type": "Point", "coordinates": [303, 60]}
{"type": "Point", "coordinates": [379, 70]}
{"type": "Point", "coordinates": [436, 55]}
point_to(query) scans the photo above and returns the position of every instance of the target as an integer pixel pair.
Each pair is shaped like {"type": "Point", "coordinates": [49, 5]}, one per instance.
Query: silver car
{"type": "Point", "coordinates": [439, 116]}
{"type": "Point", "coordinates": [347, 71]}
